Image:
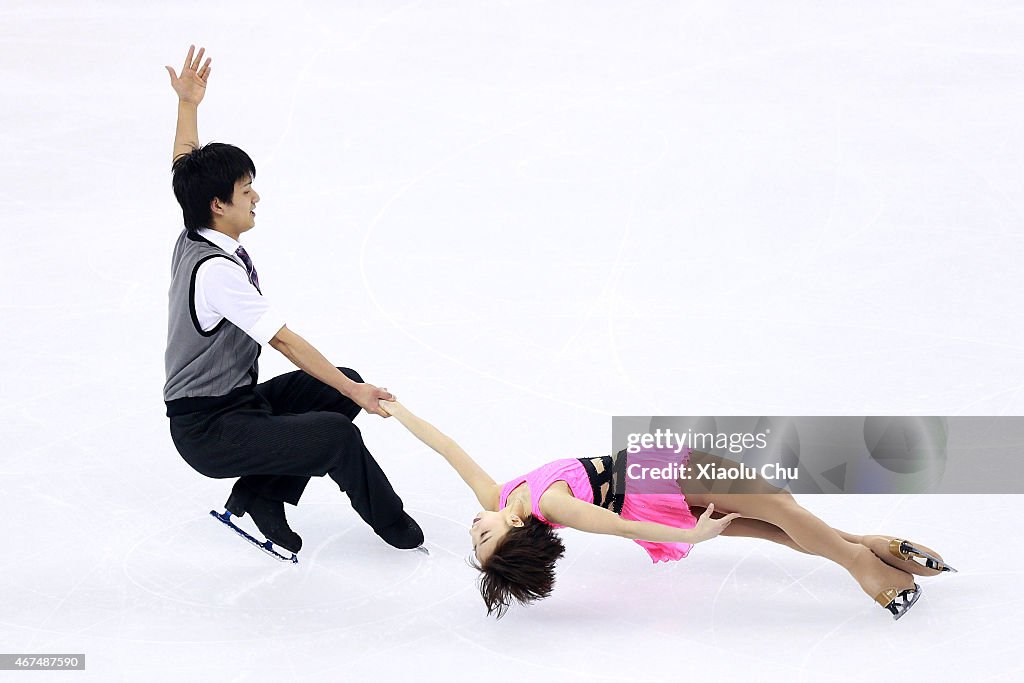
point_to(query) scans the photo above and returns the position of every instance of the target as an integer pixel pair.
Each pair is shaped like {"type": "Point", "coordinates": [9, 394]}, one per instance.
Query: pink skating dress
{"type": "Point", "coordinates": [644, 500]}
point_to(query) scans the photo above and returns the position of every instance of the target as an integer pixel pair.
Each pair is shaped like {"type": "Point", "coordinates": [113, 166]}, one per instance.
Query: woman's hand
{"type": "Point", "coordinates": [391, 406]}
{"type": "Point", "coordinates": [191, 84]}
{"type": "Point", "coordinates": [707, 528]}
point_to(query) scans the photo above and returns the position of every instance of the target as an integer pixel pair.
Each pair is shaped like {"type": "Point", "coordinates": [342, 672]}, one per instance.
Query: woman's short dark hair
{"type": "Point", "coordinates": [522, 566]}
{"type": "Point", "coordinates": [207, 173]}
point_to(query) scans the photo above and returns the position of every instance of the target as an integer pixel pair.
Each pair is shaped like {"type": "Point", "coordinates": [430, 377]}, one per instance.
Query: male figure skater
{"type": "Point", "coordinates": [276, 434]}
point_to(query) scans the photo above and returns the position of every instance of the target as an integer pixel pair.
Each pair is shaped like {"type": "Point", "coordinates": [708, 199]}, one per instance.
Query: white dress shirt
{"type": "Point", "coordinates": [223, 291]}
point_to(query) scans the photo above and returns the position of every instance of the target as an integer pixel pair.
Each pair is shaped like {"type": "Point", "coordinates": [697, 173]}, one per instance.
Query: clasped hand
{"type": "Point", "coordinates": [368, 397]}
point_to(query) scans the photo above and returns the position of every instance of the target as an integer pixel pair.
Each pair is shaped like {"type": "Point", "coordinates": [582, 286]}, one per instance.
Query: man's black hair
{"type": "Point", "coordinates": [206, 173]}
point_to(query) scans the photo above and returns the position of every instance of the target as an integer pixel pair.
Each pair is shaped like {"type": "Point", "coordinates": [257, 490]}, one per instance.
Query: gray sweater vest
{"type": "Point", "coordinates": [203, 368]}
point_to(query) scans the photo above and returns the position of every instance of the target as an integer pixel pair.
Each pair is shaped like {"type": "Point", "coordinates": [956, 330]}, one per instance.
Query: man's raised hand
{"type": "Point", "coordinates": [191, 83]}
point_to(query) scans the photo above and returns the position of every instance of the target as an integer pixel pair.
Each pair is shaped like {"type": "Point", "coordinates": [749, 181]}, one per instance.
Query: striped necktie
{"type": "Point", "coordinates": [249, 268]}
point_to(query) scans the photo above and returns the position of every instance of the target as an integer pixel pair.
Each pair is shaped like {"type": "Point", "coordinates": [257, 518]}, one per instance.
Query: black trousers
{"type": "Point", "coordinates": [284, 431]}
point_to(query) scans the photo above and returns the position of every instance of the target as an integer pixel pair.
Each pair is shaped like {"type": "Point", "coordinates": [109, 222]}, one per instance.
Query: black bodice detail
{"type": "Point", "coordinates": [613, 473]}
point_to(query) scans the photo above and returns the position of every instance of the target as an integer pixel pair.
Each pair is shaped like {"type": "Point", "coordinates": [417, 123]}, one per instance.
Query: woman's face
{"type": "Point", "coordinates": [487, 530]}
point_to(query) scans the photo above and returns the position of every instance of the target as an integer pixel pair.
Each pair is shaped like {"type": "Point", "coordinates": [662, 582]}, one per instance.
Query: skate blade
{"type": "Point", "coordinates": [265, 546]}
{"type": "Point", "coordinates": [907, 604]}
{"type": "Point", "coordinates": [930, 561]}
{"type": "Point", "coordinates": [417, 549]}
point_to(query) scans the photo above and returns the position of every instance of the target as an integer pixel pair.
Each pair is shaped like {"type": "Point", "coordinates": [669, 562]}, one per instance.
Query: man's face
{"type": "Point", "coordinates": [240, 214]}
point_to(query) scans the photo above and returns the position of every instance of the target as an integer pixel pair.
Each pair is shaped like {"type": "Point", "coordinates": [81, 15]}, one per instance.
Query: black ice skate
{"type": "Point", "coordinates": [268, 515]}
{"type": "Point", "coordinates": [405, 534]}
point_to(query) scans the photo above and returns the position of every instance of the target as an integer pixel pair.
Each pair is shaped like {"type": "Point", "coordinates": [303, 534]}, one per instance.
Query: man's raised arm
{"type": "Point", "coordinates": [190, 87]}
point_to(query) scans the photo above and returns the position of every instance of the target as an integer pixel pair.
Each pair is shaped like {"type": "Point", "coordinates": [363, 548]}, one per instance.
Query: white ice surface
{"type": "Point", "coordinates": [523, 218]}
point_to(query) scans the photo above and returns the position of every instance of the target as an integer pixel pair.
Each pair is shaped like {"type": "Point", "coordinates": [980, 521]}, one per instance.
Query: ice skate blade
{"type": "Point", "coordinates": [908, 552]}
{"type": "Point", "coordinates": [417, 549]}
{"type": "Point", "coordinates": [265, 546]}
{"type": "Point", "coordinates": [887, 599]}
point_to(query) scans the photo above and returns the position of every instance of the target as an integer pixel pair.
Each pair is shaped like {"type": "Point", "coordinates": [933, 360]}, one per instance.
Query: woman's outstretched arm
{"type": "Point", "coordinates": [484, 487]}
{"type": "Point", "coordinates": [575, 513]}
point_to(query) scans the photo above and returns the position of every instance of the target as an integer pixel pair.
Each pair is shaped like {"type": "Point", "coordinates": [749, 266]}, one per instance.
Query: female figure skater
{"type": "Point", "coordinates": [516, 548]}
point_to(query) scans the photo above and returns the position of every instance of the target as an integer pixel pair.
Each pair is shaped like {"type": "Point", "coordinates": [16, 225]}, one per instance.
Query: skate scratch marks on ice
{"type": "Point", "coordinates": [231, 597]}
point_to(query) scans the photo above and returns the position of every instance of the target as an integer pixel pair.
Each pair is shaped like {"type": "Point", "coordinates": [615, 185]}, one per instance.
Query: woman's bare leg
{"type": "Point", "coordinates": [755, 528]}
{"type": "Point", "coordinates": [877, 543]}
{"type": "Point", "coordinates": [764, 502]}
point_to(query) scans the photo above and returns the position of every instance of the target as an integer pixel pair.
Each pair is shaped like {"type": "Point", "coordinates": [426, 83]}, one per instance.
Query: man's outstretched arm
{"type": "Point", "coordinates": [312, 362]}
{"type": "Point", "coordinates": [190, 87]}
